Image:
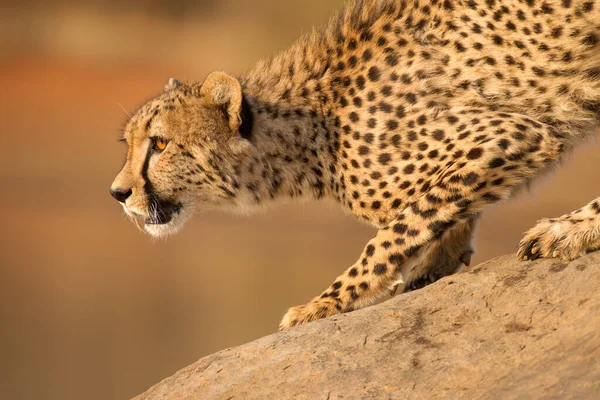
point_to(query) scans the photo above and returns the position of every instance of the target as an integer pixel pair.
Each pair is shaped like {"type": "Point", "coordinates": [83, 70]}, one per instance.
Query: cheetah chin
{"type": "Point", "coordinates": [163, 230]}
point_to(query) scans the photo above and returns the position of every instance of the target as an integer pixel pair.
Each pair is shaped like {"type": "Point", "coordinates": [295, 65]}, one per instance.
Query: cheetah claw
{"type": "Point", "coordinates": [529, 250]}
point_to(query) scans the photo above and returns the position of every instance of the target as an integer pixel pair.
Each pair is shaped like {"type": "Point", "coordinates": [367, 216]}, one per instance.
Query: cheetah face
{"type": "Point", "coordinates": [181, 156]}
{"type": "Point", "coordinates": [148, 187]}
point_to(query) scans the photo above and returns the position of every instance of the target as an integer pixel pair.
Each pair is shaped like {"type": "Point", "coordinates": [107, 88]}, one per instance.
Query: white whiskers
{"type": "Point", "coordinates": [123, 108]}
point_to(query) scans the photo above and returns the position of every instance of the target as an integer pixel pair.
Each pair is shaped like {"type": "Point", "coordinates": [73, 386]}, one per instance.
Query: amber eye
{"type": "Point", "coordinates": [160, 144]}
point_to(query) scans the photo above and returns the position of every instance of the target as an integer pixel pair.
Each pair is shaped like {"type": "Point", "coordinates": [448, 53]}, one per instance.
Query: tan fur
{"type": "Point", "coordinates": [414, 116]}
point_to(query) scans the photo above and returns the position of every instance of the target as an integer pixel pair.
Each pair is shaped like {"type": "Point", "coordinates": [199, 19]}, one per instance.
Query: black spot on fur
{"type": "Point", "coordinates": [380, 269]}
{"type": "Point", "coordinates": [374, 74]}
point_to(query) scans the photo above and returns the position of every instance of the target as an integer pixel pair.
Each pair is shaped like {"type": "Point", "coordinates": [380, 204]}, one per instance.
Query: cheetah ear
{"type": "Point", "coordinates": [224, 91]}
{"type": "Point", "coordinates": [172, 84]}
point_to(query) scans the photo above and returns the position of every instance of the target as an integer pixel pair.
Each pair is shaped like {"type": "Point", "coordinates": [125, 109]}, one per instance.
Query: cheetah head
{"type": "Point", "coordinates": [183, 153]}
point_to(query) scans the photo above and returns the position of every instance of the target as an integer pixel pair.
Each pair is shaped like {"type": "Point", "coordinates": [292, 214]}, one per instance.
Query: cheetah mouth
{"type": "Point", "coordinates": [162, 213]}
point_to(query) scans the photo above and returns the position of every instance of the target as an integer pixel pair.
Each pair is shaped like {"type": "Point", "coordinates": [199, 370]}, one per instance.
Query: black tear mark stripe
{"type": "Point", "coordinates": [161, 211]}
{"type": "Point", "coordinates": [148, 188]}
{"type": "Point", "coordinates": [158, 215]}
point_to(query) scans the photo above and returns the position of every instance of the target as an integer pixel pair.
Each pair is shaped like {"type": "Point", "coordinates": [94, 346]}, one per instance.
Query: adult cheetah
{"type": "Point", "coordinates": [413, 115]}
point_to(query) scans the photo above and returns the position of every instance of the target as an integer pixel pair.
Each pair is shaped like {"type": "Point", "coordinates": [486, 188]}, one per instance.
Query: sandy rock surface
{"type": "Point", "coordinates": [504, 329]}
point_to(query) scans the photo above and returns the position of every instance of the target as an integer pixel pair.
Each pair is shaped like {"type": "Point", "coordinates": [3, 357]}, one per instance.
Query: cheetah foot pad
{"type": "Point", "coordinates": [309, 312]}
{"type": "Point", "coordinates": [554, 239]}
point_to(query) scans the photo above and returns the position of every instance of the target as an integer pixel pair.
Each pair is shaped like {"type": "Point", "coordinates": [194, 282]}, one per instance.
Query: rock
{"type": "Point", "coordinates": [503, 330]}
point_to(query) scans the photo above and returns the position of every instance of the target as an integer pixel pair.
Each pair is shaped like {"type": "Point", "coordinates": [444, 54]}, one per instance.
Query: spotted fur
{"type": "Point", "coordinates": [413, 115]}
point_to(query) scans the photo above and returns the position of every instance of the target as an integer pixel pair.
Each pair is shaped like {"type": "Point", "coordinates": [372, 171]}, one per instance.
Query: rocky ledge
{"type": "Point", "coordinates": [501, 330]}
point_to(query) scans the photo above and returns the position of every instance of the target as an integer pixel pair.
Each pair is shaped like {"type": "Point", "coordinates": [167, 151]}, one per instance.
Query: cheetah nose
{"type": "Point", "coordinates": [120, 194]}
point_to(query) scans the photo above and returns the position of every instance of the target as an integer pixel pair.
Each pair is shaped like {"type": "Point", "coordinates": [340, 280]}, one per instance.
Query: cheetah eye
{"type": "Point", "coordinates": [159, 144]}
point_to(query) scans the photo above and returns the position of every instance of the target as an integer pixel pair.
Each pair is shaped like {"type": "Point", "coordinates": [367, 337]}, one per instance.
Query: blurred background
{"type": "Point", "coordinates": [92, 309]}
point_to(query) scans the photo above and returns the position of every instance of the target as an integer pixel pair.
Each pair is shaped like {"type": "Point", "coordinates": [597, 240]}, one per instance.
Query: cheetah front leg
{"type": "Point", "coordinates": [567, 237]}
{"type": "Point", "coordinates": [406, 247]}
{"type": "Point", "coordinates": [392, 254]}
{"type": "Point", "coordinates": [375, 273]}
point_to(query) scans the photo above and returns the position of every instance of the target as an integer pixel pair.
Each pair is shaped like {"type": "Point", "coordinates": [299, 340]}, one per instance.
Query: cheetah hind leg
{"type": "Point", "coordinates": [567, 237]}
{"type": "Point", "coordinates": [444, 257]}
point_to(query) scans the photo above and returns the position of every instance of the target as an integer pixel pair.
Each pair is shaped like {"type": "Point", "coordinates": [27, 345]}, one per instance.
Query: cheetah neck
{"type": "Point", "coordinates": [293, 152]}
{"type": "Point", "coordinates": [287, 159]}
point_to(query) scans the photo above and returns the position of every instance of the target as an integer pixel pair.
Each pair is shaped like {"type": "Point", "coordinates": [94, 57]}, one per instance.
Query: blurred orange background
{"type": "Point", "coordinates": [92, 309]}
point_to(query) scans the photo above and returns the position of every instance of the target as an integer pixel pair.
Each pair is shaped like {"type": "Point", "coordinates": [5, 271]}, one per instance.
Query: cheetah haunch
{"type": "Point", "coordinates": [413, 115]}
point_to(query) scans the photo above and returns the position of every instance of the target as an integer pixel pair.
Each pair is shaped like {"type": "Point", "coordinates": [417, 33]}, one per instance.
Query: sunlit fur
{"type": "Point", "coordinates": [412, 115]}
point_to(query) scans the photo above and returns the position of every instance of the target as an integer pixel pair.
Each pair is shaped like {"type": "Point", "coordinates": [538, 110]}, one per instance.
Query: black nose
{"type": "Point", "coordinates": [120, 194]}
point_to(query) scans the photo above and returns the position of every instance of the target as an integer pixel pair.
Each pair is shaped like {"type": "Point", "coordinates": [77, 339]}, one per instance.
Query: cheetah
{"type": "Point", "coordinates": [412, 115]}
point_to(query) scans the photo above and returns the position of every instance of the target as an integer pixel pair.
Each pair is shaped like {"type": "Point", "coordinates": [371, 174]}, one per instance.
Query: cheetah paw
{"type": "Point", "coordinates": [552, 239]}
{"type": "Point", "coordinates": [310, 312]}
